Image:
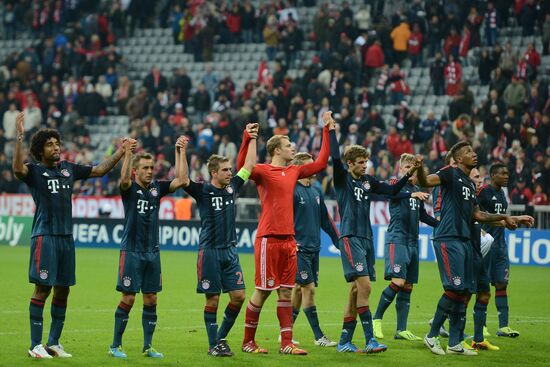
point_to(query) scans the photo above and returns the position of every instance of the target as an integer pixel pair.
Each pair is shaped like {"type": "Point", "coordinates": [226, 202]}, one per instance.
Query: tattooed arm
{"type": "Point", "coordinates": [108, 164]}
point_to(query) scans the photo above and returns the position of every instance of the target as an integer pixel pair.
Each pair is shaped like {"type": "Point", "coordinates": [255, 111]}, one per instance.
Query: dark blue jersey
{"type": "Point", "coordinates": [493, 201]}
{"type": "Point", "coordinates": [311, 214]}
{"type": "Point", "coordinates": [52, 190]}
{"type": "Point", "coordinates": [436, 202]}
{"type": "Point", "coordinates": [354, 196]}
{"type": "Point", "coordinates": [458, 200]}
{"type": "Point", "coordinates": [217, 211]}
{"type": "Point", "coordinates": [405, 216]}
{"type": "Point", "coordinates": [141, 216]}
{"type": "Point", "coordinates": [476, 237]}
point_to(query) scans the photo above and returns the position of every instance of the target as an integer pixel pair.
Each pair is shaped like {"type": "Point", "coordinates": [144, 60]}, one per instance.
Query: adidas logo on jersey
{"type": "Point", "coordinates": [140, 192]}
{"type": "Point", "coordinates": [494, 198]}
{"type": "Point", "coordinates": [46, 174]}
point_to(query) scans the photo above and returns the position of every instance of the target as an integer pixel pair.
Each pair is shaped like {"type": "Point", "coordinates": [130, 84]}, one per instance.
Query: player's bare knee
{"type": "Point", "coordinates": [129, 298]}
{"type": "Point", "coordinates": [483, 297]}
{"type": "Point", "coordinates": [398, 282]}
{"type": "Point", "coordinates": [212, 300]}
{"type": "Point", "coordinates": [285, 293]}
{"type": "Point", "coordinates": [61, 292]}
{"type": "Point", "coordinates": [150, 299]}
{"type": "Point", "coordinates": [237, 297]}
{"type": "Point", "coordinates": [408, 287]}
{"type": "Point", "coordinates": [41, 291]}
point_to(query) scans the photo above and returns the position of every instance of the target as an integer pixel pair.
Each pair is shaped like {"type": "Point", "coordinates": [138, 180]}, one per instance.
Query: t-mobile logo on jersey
{"type": "Point", "coordinates": [466, 192]}
{"type": "Point", "coordinates": [217, 202]}
{"type": "Point", "coordinates": [143, 206]}
{"type": "Point", "coordinates": [358, 192]}
{"type": "Point", "coordinates": [53, 185]}
{"type": "Point", "coordinates": [499, 209]}
{"type": "Point", "coordinates": [413, 203]}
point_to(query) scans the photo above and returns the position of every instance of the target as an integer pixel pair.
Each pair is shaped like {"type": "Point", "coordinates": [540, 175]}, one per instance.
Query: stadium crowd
{"type": "Point", "coordinates": [73, 73]}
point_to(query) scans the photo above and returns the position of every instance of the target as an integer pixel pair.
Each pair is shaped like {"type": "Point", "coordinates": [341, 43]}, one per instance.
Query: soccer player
{"type": "Point", "coordinates": [492, 199]}
{"type": "Point", "coordinates": [481, 243]}
{"type": "Point", "coordinates": [452, 243]}
{"type": "Point", "coordinates": [310, 215]}
{"type": "Point", "coordinates": [52, 257]}
{"type": "Point", "coordinates": [275, 246]}
{"type": "Point", "coordinates": [353, 192]}
{"type": "Point", "coordinates": [218, 266]}
{"type": "Point", "coordinates": [139, 262]}
{"type": "Point", "coordinates": [401, 251]}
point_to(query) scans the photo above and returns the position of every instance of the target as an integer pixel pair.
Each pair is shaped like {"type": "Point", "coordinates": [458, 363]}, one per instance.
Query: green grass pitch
{"type": "Point", "coordinates": [182, 338]}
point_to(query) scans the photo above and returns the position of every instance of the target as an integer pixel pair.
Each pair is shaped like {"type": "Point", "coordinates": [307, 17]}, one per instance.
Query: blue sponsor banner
{"type": "Point", "coordinates": [526, 247]}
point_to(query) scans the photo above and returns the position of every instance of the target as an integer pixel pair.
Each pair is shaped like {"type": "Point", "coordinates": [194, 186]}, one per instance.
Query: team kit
{"type": "Point", "coordinates": [468, 238]}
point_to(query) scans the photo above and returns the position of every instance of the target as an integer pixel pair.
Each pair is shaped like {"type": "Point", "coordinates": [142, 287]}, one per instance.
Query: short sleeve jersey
{"type": "Point", "coordinates": [217, 211]}
{"type": "Point", "coordinates": [310, 215]}
{"type": "Point", "coordinates": [51, 190]}
{"type": "Point", "coordinates": [458, 200]}
{"type": "Point", "coordinates": [493, 201]}
{"type": "Point", "coordinates": [141, 216]}
{"type": "Point", "coordinates": [404, 218]}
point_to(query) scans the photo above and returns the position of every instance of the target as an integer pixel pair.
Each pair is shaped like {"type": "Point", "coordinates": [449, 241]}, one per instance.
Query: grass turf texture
{"type": "Point", "coordinates": [181, 334]}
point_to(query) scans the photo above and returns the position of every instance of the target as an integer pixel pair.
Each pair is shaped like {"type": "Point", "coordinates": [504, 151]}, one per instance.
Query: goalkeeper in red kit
{"type": "Point", "coordinates": [275, 247]}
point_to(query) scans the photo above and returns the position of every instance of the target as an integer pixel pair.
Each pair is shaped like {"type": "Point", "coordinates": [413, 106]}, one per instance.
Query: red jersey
{"type": "Point", "coordinates": [276, 188]}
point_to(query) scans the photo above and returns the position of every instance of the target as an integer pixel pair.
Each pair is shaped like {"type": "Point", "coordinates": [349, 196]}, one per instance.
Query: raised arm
{"type": "Point", "coordinates": [423, 179]}
{"type": "Point", "coordinates": [20, 170]}
{"type": "Point", "coordinates": [339, 169]}
{"type": "Point", "coordinates": [243, 150]}
{"type": "Point", "coordinates": [182, 170]}
{"type": "Point", "coordinates": [251, 155]}
{"type": "Point", "coordinates": [321, 162]}
{"type": "Point", "coordinates": [126, 171]}
{"type": "Point", "coordinates": [108, 164]}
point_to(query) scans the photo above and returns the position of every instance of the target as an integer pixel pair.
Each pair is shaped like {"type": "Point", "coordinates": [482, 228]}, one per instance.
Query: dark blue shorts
{"type": "Point", "coordinates": [401, 262]}
{"type": "Point", "coordinates": [219, 270]}
{"type": "Point", "coordinates": [139, 271]}
{"type": "Point", "coordinates": [357, 256]}
{"type": "Point", "coordinates": [498, 265]}
{"type": "Point", "coordinates": [455, 262]}
{"type": "Point", "coordinates": [308, 268]}
{"type": "Point", "coordinates": [481, 277]}
{"type": "Point", "coordinates": [52, 261]}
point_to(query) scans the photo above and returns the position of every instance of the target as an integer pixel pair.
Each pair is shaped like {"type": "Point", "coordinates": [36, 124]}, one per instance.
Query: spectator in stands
{"type": "Point", "coordinates": [539, 197]}
{"type": "Point", "coordinates": [181, 85]}
{"type": "Point", "coordinates": [210, 80]}
{"type": "Point", "coordinates": [155, 82]}
{"type": "Point", "coordinates": [452, 43]}
{"type": "Point", "coordinates": [291, 39]}
{"type": "Point", "coordinates": [398, 86]}
{"type": "Point", "coordinates": [532, 57]}
{"type": "Point", "coordinates": [138, 106]}
{"type": "Point", "coordinates": [415, 45]}
{"type": "Point", "coordinates": [437, 75]}
{"type": "Point", "coordinates": [491, 25]}
{"type": "Point", "coordinates": [528, 17]}
{"type": "Point", "coordinates": [374, 58]}
{"type": "Point", "coordinates": [9, 23]}
{"type": "Point", "coordinates": [8, 122]}
{"type": "Point", "coordinates": [515, 94]}
{"type": "Point", "coordinates": [453, 76]}
{"type": "Point", "coordinates": [400, 36]}
{"type": "Point", "coordinates": [233, 23]}
{"type": "Point", "coordinates": [427, 127]}
{"type": "Point", "coordinates": [434, 161]}
{"type": "Point", "coordinates": [272, 37]}
{"type": "Point", "coordinates": [485, 68]}
{"type": "Point", "coordinates": [123, 93]}
{"type": "Point", "coordinates": [8, 184]}
{"type": "Point", "coordinates": [435, 35]}
{"type": "Point", "coordinates": [521, 194]}
{"type": "Point", "coordinates": [508, 60]}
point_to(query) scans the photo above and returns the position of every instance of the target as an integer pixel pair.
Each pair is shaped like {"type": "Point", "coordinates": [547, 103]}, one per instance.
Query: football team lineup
{"type": "Point", "coordinates": [468, 240]}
